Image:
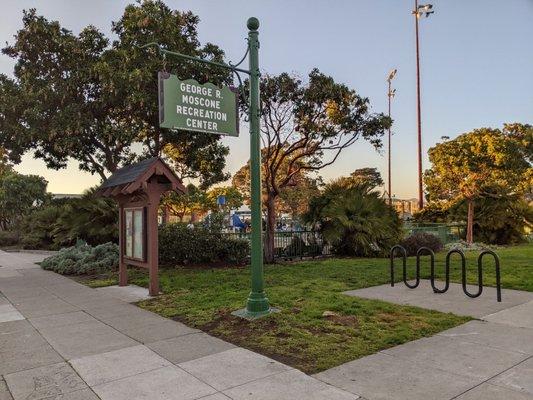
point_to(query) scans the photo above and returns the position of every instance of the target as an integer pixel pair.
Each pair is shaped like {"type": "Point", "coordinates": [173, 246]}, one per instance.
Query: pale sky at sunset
{"type": "Point", "coordinates": [477, 64]}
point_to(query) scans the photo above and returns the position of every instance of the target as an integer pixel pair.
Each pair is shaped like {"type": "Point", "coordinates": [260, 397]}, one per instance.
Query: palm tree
{"type": "Point", "coordinates": [355, 219]}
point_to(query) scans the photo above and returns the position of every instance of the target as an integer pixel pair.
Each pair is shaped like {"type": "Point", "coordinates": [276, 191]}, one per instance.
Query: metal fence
{"type": "Point", "coordinates": [310, 244]}
{"type": "Point", "coordinates": [447, 233]}
{"type": "Point", "coordinates": [294, 244]}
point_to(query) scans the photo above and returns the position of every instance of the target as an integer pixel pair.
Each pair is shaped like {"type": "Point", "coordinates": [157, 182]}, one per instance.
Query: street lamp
{"type": "Point", "coordinates": [390, 94]}
{"type": "Point", "coordinates": [420, 10]}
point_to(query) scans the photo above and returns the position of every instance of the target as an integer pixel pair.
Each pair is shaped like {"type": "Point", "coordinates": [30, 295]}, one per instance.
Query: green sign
{"type": "Point", "coordinates": [191, 106]}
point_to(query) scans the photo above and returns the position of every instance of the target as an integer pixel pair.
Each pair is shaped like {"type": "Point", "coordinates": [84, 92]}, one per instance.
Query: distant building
{"type": "Point", "coordinates": [404, 207]}
{"type": "Point", "coordinates": [66, 196]}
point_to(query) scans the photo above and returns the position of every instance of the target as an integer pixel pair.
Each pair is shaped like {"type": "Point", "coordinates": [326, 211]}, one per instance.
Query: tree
{"type": "Point", "coordinates": [234, 198]}
{"type": "Point", "coordinates": [193, 202]}
{"type": "Point", "coordinates": [5, 166]}
{"type": "Point", "coordinates": [498, 220]}
{"type": "Point", "coordinates": [305, 127]}
{"type": "Point", "coordinates": [366, 177]}
{"type": "Point", "coordinates": [479, 164]}
{"type": "Point", "coordinates": [523, 135]}
{"type": "Point", "coordinates": [293, 198]}
{"type": "Point", "coordinates": [95, 100]}
{"type": "Point", "coordinates": [356, 219]}
{"type": "Point", "coordinates": [19, 194]}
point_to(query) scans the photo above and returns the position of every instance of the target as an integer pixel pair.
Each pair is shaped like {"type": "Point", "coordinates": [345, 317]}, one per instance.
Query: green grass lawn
{"type": "Point", "coordinates": [299, 335]}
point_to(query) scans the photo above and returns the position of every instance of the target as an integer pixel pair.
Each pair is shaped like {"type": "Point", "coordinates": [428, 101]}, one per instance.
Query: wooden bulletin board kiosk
{"type": "Point", "coordinates": [137, 188]}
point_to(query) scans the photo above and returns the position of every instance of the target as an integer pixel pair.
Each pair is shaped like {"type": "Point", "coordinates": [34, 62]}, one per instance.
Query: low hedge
{"type": "Point", "coordinates": [179, 244]}
{"type": "Point", "coordinates": [9, 238]}
{"type": "Point", "coordinates": [83, 259]}
{"type": "Point", "coordinates": [421, 239]}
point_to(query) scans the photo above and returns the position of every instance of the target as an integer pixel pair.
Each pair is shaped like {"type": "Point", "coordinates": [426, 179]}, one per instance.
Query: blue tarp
{"type": "Point", "coordinates": [236, 222]}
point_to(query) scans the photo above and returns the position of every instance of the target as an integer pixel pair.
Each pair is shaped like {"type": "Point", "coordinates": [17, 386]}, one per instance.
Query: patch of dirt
{"type": "Point", "coordinates": [346, 320]}
{"type": "Point", "coordinates": [241, 332]}
{"type": "Point", "coordinates": [386, 317]}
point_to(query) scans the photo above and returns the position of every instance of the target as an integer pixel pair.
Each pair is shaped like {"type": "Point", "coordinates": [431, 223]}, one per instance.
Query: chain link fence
{"type": "Point", "coordinates": [447, 233]}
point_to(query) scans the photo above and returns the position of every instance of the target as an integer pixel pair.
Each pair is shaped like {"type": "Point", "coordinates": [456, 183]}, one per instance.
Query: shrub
{"type": "Point", "coordinates": [355, 220]}
{"type": "Point", "coordinates": [61, 222]}
{"type": "Point", "coordinates": [36, 228]}
{"type": "Point", "coordinates": [83, 259]}
{"type": "Point", "coordinates": [464, 246]}
{"type": "Point", "coordinates": [296, 247]}
{"type": "Point", "coordinates": [181, 245]}
{"type": "Point", "coordinates": [9, 238]}
{"type": "Point", "coordinates": [301, 248]}
{"type": "Point", "coordinates": [421, 239]}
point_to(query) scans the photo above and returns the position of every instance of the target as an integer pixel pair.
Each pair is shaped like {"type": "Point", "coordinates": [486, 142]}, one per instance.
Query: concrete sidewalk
{"type": "Point", "coordinates": [62, 340]}
{"type": "Point", "coordinates": [488, 359]}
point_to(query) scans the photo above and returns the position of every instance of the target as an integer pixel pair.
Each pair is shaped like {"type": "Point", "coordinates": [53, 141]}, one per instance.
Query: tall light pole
{"type": "Point", "coordinates": [419, 11]}
{"type": "Point", "coordinates": [390, 94]}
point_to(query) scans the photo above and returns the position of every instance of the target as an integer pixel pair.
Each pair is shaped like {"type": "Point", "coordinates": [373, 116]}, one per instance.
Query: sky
{"type": "Point", "coordinates": [476, 65]}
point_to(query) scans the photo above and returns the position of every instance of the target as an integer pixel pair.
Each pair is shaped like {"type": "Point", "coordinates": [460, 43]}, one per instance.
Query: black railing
{"type": "Point", "coordinates": [294, 244]}
{"type": "Point", "coordinates": [430, 252]}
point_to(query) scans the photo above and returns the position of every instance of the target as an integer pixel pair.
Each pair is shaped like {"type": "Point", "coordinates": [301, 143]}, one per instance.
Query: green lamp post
{"type": "Point", "coordinates": [257, 304]}
{"type": "Point", "coordinates": [257, 301]}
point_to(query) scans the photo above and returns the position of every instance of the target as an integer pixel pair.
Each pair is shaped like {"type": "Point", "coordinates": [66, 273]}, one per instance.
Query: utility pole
{"type": "Point", "coordinates": [390, 94]}
{"type": "Point", "coordinates": [420, 10]}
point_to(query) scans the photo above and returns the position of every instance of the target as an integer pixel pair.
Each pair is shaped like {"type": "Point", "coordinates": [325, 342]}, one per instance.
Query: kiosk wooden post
{"type": "Point", "coordinates": [137, 188]}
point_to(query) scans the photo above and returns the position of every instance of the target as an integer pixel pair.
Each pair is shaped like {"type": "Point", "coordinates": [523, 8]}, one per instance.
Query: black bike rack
{"type": "Point", "coordinates": [427, 251]}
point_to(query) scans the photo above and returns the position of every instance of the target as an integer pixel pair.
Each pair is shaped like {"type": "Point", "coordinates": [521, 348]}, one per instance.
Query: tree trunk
{"type": "Point", "coordinates": [270, 227]}
{"type": "Point", "coordinates": [165, 215]}
{"type": "Point", "coordinates": [470, 222]}
{"type": "Point", "coordinates": [194, 217]}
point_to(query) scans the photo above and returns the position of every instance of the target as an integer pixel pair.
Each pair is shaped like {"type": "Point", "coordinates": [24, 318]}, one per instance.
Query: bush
{"type": "Point", "coordinates": [83, 259]}
{"type": "Point", "coordinates": [61, 222]}
{"type": "Point", "coordinates": [464, 246]}
{"type": "Point", "coordinates": [181, 245]}
{"type": "Point", "coordinates": [421, 239]}
{"type": "Point", "coordinates": [355, 220]}
{"type": "Point", "coordinates": [9, 238]}
{"type": "Point", "coordinates": [296, 247]}
{"type": "Point", "coordinates": [300, 248]}
{"type": "Point", "coordinates": [36, 228]}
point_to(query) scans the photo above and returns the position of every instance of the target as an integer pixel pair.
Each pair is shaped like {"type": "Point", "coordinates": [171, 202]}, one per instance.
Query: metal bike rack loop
{"type": "Point", "coordinates": [404, 268]}
{"type": "Point", "coordinates": [498, 277]}
{"type": "Point", "coordinates": [403, 253]}
{"type": "Point", "coordinates": [393, 250]}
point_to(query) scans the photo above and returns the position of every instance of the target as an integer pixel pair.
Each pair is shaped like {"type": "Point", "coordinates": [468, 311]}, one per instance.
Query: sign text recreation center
{"type": "Point", "coordinates": [191, 106]}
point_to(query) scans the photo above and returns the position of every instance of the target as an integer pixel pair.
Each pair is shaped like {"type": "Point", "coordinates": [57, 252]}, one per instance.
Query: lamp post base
{"type": "Point", "coordinates": [251, 315]}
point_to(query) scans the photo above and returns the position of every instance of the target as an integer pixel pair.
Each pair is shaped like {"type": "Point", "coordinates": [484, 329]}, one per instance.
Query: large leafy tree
{"type": "Point", "coordinates": [293, 197]}
{"type": "Point", "coordinates": [305, 126]}
{"type": "Point", "coordinates": [19, 194]}
{"type": "Point", "coordinates": [233, 197]}
{"type": "Point", "coordinates": [193, 202]}
{"type": "Point", "coordinates": [5, 165]}
{"type": "Point", "coordinates": [365, 177]}
{"type": "Point", "coordinates": [95, 100]}
{"type": "Point", "coordinates": [484, 163]}
{"type": "Point", "coordinates": [498, 219]}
